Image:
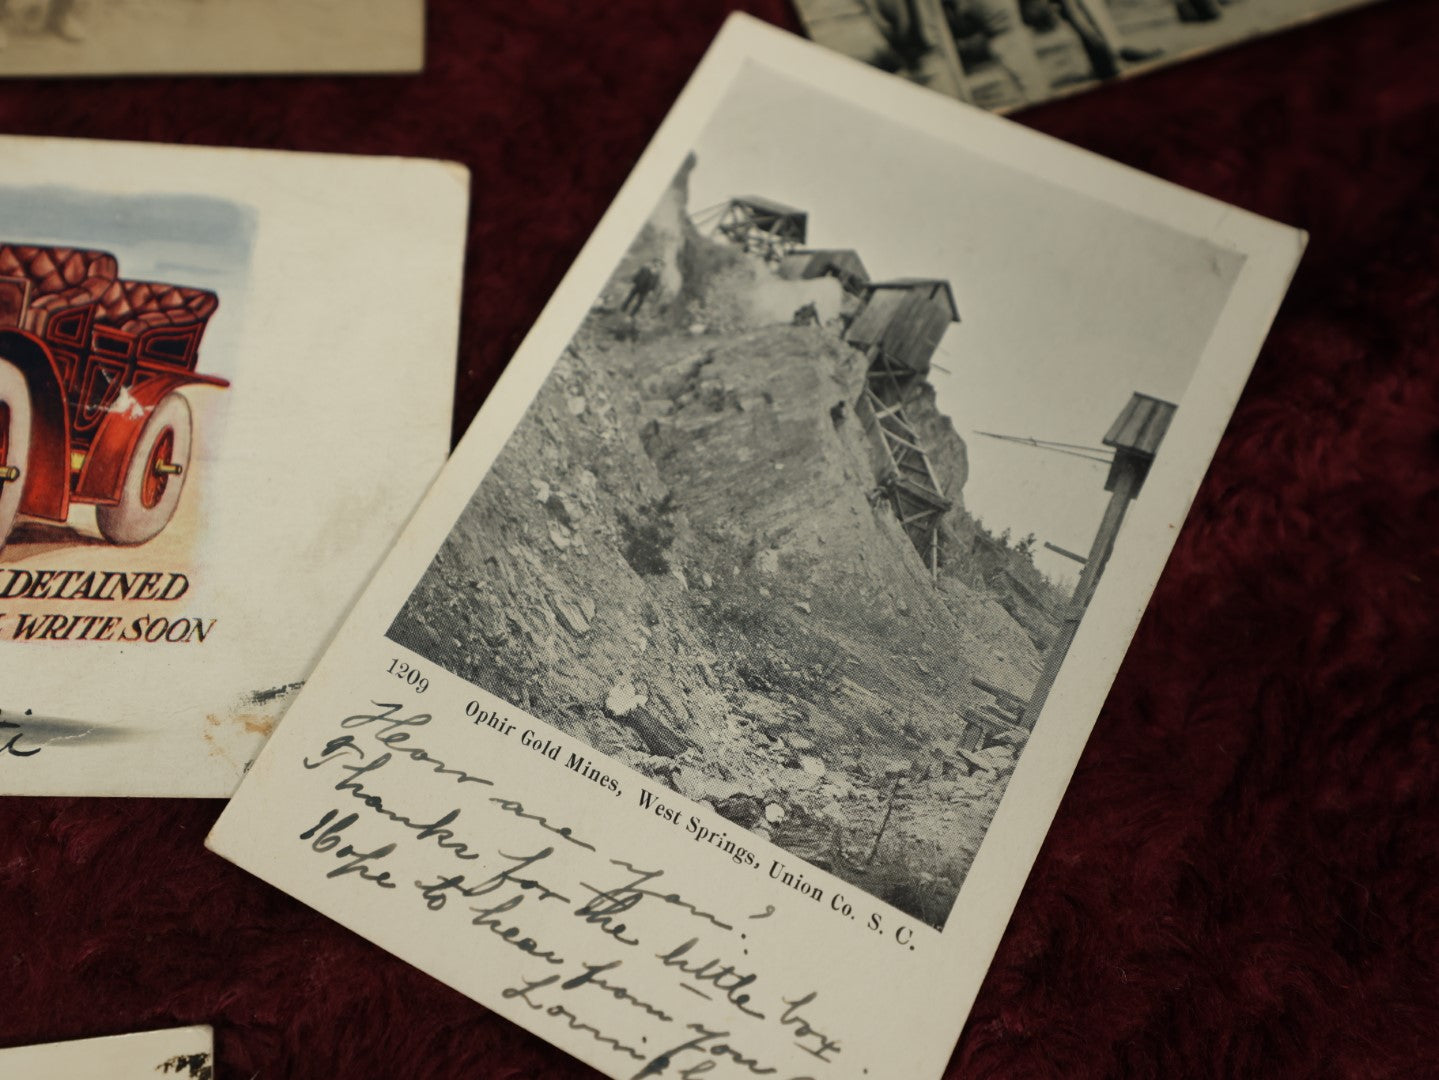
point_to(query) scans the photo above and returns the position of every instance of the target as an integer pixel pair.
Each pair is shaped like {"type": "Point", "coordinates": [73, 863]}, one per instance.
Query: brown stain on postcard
{"type": "Point", "coordinates": [256, 725]}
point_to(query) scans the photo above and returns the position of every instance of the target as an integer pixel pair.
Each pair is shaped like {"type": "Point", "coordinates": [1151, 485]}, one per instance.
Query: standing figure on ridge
{"type": "Point", "coordinates": [641, 285]}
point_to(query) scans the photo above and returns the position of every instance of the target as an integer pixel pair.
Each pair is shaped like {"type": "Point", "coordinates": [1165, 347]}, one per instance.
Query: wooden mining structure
{"type": "Point", "coordinates": [898, 329]}
{"type": "Point", "coordinates": [1135, 437]}
{"type": "Point", "coordinates": [842, 264]}
{"type": "Point", "coordinates": [758, 225]}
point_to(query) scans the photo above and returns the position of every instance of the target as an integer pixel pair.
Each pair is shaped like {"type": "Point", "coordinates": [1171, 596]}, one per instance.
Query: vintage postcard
{"type": "Point", "coordinates": [1005, 54]}
{"type": "Point", "coordinates": [133, 37]}
{"type": "Point", "coordinates": [707, 717]}
{"type": "Point", "coordinates": [179, 1054]}
{"type": "Point", "coordinates": [226, 379]}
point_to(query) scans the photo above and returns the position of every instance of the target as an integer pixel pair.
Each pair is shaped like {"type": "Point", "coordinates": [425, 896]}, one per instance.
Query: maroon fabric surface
{"type": "Point", "coordinates": [1242, 880]}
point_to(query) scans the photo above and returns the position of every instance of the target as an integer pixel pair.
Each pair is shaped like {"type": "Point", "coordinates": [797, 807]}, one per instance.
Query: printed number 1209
{"type": "Point", "coordinates": [401, 670]}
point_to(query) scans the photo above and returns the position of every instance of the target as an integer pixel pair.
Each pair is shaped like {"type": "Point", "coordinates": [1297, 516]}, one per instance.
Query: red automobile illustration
{"type": "Point", "coordinates": [89, 368]}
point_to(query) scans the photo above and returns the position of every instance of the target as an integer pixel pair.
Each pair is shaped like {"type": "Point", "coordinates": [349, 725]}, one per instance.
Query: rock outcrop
{"type": "Point", "coordinates": [680, 558]}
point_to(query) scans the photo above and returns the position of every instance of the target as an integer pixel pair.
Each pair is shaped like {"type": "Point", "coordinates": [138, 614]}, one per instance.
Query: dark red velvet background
{"type": "Point", "coordinates": [1242, 879]}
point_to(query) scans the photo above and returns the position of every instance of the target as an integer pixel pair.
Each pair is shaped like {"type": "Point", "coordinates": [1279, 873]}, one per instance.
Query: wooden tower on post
{"type": "Point", "coordinates": [898, 329]}
{"type": "Point", "coordinates": [1135, 437]}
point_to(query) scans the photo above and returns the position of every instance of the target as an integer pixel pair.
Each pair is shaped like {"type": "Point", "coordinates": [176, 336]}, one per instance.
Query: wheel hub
{"type": "Point", "coordinates": [161, 468]}
{"type": "Point", "coordinates": [8, 473]}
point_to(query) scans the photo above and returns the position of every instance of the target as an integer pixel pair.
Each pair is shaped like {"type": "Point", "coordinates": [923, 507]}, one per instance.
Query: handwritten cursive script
{"type": "Point", "coordinates": [603, 951]}
{"type": "Point", "coordinates": [12, 746]}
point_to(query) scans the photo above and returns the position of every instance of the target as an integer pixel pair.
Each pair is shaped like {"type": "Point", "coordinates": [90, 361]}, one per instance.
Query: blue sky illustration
{"type": "Point", "coordinates": [192, 240]}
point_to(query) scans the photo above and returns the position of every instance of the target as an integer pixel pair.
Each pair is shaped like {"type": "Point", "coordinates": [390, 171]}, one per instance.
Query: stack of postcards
{"type": "Point", "coordinates": [750, 636]}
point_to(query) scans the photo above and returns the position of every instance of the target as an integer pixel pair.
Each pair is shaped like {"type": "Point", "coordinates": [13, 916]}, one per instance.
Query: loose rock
{"type": "Point", "coordinates": [570, 616]}
{"type": "Point", "coordinates": [624, 698]}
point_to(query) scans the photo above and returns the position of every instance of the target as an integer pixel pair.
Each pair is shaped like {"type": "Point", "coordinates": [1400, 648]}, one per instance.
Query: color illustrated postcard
{"type": "Point", "coordinates": [1004, 54]}
{"type": "Point", "coordinates": [707, 717]}
{"type": "Point", "coordinates": [226, 379]}
{"type": "Point", "coordinates": [179, 1053]}
{"type": "Point", "coordinates": [133, 37]}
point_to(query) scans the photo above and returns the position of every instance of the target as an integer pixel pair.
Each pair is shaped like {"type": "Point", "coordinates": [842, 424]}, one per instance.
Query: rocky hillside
{"type": "Point", "coordinates": [681, 559]}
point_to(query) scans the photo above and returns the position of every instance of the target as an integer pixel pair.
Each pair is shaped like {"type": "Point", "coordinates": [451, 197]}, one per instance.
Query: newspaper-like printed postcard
{"type": "Point", "coordinates": [187, 37]}
{"type": "Point", "coordinates": [708, 716]}
{"type": "Point", "coordinates": [226, 379]}
{"type": "Point", "coordinates": [178, 1053]}
{"type": "Point", "coordinates": [1005, 54]}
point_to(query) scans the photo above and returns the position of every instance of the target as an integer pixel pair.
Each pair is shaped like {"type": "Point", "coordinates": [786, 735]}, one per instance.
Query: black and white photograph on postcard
{"type": "Point", "coordinates": [1001, 54]}
{"type": "Point", "coordinates": [804, 518]}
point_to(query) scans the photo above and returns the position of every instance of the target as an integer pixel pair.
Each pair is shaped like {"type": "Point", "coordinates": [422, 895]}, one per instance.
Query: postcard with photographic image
{"type": "Point", "coordinates": [186, 37]}
{"type": "Point", "coordinates": [225, 380]}
{"type": "Point", "coordinates": [1005, 54]}
{"type": "Point", "coordinates": [711, 710]}
{"type": "Point", "coordinates": [177, 1053]}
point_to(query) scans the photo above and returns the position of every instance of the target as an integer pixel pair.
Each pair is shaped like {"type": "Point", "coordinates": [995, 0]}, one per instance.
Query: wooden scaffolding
{"type": "Point", "coordinates": [908, 480]}
{"type": "Point", "coordinates": [898, 330]}
{"type": "Point", "coordinates": [757, 225]}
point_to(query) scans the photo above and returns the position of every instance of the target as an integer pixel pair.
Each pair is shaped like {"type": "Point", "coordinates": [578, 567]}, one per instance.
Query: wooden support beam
{"type": "Point", "coordinates": [912, 460]}
{"type": "Point", "coordinates": [912, 519]}
{"type": "Point", "coordinates": [998, 692]}
{"type": "Point", "coordinates": [909, 516]}
{"type": "Point", "coordinates": [888, 451]}
{"type": "Point", "coordinates": [915, 446]}
{"type": "Point", "coordinates": [1001, 714]}
{"type": "Point", "coordinates": [918, 508]}
{"type": "Point", "coordinates": [906, 461]}
{"type": "Point", "coordinates": [903, 421]}
{"type": "Point", "coordinates": [905, 442]}
{"type": "Point", "coordinates": [991, 727]}
{"type": "Point", "coordinates": [875, 388]}
{"type": "Point", "coordinates": [883, 410]}
{"type": "Point", "coordinates": [915, 478]}
{"type": "Point", "coordinates": [902, 449]}
{"type": "Point", "coordinates": [1127, 476]}
{"type": "Point", "coordinates": [920, 491]}
{"type": "Point", "coordinates": [933, 479]}
{"type": "Point", "coordinates": [1066, 553]}
{"type": "Point", "coordinates": [921, 495]}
